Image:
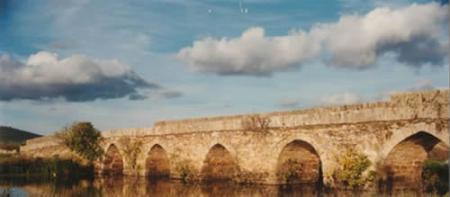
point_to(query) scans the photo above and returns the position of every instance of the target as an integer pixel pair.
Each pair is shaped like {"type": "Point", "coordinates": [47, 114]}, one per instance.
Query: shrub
{"type": "Point", "coordinates": [132, 149]}
{"type": "Point", "coordinates": [291, 172]}
{"type": "Point", "coordinates": [52, 168]}
{"type": "Point", "coordinates": [435, 176]}
{"type": "Point", "coordinates": [83, 139]}
{"type": "Point", "coordinates": [256, 123]}
{"type": "Point", "coordinates": [10, 146]}
{"type": "Point", "coordinates": [186, 170]}
{"type": "Point", "coordinates": [352, 165]}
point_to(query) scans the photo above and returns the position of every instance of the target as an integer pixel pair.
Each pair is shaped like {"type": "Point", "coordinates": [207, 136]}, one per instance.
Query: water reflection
{"type": "Point", "coordinates": [143, 187]}
{"type": "Point", "coordinates": [119, 186]}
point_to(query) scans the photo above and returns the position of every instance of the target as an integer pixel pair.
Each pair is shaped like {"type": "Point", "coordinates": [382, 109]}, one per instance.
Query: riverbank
{"type": "Point", "coordinates": [16, 165]}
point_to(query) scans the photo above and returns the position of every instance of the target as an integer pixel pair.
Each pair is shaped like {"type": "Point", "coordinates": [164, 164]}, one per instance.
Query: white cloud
{"type": "Point", "coordinates": [75, 78]}
{"type": "Point", "coordinates": [341, 99]}
{"type": "Point", "coordinates": [253, 53]}
{"type": "Point", "coordinates": [45, 68]}
{"type": "Point", "coordinates": [357, 41]}
{"type": "Point", "coordinates": [414, 34]}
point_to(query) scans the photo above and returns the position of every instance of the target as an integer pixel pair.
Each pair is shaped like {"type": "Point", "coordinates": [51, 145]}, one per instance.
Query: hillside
{"type": "Point", "coordinates": [11, 138]}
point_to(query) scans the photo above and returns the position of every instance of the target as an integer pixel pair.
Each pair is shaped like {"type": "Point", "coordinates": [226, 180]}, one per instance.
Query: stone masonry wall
{"type": "Point", "coordinates": [374, 129]}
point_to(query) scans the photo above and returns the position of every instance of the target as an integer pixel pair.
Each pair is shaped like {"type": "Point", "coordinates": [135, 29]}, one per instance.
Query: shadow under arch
{"type": "Point", "coordinates": [402, 168]}
{"type": "Point", "coordinates": [219, 165]}
{"type": "Point", "coordinates": [157, 163]}
{"type": "Point", "coordinates": [113, 162]}
{"type": "Point", "coordinates": [299, 163]}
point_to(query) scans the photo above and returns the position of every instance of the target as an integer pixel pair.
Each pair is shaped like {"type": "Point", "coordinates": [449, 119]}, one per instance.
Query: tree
{"type": "Point", "coordinates": [83, 139]}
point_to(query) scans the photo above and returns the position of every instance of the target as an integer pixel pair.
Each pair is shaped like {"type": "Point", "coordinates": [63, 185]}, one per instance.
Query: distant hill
{"type": "Point", "coordinates": [11, 138]}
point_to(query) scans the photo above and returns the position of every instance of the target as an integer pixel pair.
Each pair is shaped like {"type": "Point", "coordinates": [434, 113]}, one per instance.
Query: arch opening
{"type": "Point", "coordinates": [113, 162]}
{"type": "Point", "coordinates": [403, 166]}
{"type": "Point", "coordinates": [299, 163]}
{"type": "Point", "coordinates": [157, 163]}
{"type": "Point", "coordinates": [219, 165]}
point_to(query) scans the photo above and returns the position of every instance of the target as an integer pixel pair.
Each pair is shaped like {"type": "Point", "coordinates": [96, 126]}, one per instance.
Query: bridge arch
{"type": "Point", "coordinates": [402, 133]}
{"type": "Point", "coordinates": [157, 163]}
{"type": "Point", "coordinates": [299, 163]}
{"type": "Point", "coordinates": [402, 167]}
{"type": "Point", "coordinates": [219, 164]}
{"type": "Point", "coordinates": [113, 161]}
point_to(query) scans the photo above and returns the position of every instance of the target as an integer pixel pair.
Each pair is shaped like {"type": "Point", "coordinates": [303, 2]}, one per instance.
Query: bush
{"type": "Point", "coordinates": [186, 170]}
{"type": "Point", "coordinates": [132, 149]}
{"type": "Point", "coordinates": [256, 123]}
{"type": "Point", "coordinates": [435, 176]}
{"type": "Point", "coordinates": [291, 171]}
{"type": "Point", "coordinates": [53, 168]}
{"type": "Point", "coordinates": [10, 146]}
{"type": "Point", "coordinates": [352, 165]}
{"type": "Point", "coordinates": [83, 139]}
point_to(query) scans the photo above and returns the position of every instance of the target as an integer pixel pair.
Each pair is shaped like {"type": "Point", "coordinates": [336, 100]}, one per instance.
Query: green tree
{"type": "Point", "coordinates": [83, 139]}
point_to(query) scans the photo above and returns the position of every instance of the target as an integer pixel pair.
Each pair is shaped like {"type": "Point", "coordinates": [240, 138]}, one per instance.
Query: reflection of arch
{"type": "Point", "coordinates": [299, 162]}
{"type": "Point", "coordinates": [219, 164]}
{"type": "Point", "coordinates": [113, 162]}
{"type": "Point", "coordinates": [402, 168]}
{"type": "Point", "coordinates": [157, 163]}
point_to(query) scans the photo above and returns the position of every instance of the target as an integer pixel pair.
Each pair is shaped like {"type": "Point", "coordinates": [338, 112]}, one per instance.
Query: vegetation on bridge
{"type": "Point", "coordinates": [256, 123]}
{"type": "Point", "coordinates": [83, 139]}
{"type": "Point", "coordinates": [132, 149]}
{"type": "Point", "coordinates": [352, 166]}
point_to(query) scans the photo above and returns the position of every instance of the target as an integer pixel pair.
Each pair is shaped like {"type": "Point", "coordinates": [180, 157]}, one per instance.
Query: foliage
{"type": "Point", "coordinates": [256, 123]}
{"type": "Point", "coordinates": [291, 171]}
{"type": "Point", "coordinates": [10, 147]}
{"type": "Point", "coordinates": [52, 168]}
{"type": "Point", "coordinates": [83, 139]}
{"type": "Point", "coordinates": [186, 170]}
{"type": "Point", "coordinates": [352, 165]}
{"type": "Point", "coordinates": [435, 176]}
{"type": "Point", "coordinates": [132, 149]}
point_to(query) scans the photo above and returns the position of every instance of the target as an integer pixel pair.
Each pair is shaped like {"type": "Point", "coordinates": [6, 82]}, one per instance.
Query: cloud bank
{"type": "Point", "coordinates": [416, 35]}
{"type": "Point", "coordinates": [76, 78]}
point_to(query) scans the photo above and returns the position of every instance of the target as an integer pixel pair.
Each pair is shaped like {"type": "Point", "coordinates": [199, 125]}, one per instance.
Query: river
{"type": "Point", "coordinates": [135, 187]}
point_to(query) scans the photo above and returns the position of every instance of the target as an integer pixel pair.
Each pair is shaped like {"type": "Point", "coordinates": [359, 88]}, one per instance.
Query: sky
{"type": "Point", "coordinates": [128, 64]}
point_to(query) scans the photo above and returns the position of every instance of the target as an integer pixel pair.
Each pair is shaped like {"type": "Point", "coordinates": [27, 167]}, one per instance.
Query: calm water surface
{"type": "Point", "coordinates": [142, 187]}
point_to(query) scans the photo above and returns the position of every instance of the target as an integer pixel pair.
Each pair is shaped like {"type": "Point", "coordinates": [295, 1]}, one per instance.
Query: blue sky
{"type": "Point", "coordinates": [130, 63]}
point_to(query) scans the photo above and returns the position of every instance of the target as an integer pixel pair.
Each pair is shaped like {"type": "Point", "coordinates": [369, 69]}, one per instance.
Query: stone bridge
{"type": "Point", "coordinates": [301, 146]}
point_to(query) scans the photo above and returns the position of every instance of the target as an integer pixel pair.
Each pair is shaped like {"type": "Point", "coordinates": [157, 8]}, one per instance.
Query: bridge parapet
{"type": "Point", "coordinates": [406, 124]}
{"type": "Point", "coordinates": [129, 132]}
{"type": "Point", "coordinates": [402, 106]}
